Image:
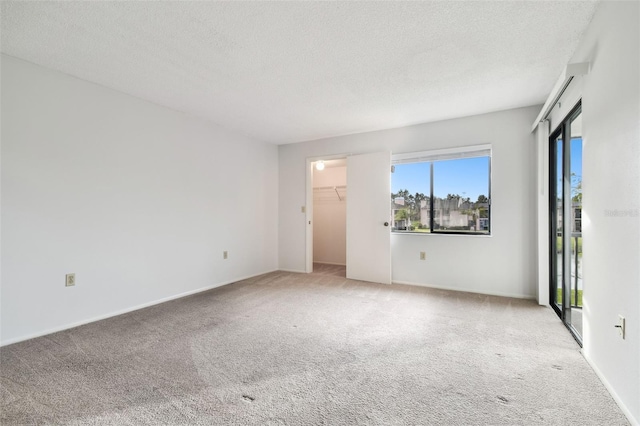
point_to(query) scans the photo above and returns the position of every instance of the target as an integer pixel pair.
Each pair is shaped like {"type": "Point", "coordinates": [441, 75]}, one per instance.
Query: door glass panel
{"type": "Point", "coordinates": [565, 204]}
{"type": "Point", "coordinates": [576, 223]}
{"type": "Point", "coordinates": [558, 209]}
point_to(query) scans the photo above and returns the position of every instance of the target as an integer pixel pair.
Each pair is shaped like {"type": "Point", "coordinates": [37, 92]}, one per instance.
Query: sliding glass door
{"type": "Point", "coordinates": [566, 221]}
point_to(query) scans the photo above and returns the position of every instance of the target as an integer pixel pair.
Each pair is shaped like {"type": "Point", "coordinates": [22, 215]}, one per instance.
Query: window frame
{"type": "Point", "coordinates": [432, 156]}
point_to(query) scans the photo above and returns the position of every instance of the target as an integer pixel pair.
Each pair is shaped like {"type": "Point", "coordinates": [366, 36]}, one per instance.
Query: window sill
{"type": "Point", "coordinates": [455, 234]}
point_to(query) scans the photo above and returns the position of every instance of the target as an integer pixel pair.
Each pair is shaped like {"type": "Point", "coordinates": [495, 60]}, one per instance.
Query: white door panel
{"type": "Point", "coordinates": [368, 217]}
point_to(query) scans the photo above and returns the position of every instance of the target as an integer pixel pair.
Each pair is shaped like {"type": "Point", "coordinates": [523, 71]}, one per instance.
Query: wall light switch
{"type": "Point", "coordinates": [303, 209]}
{"type": "Point", "coordinates": [225, 254]}
{"type": "Point", "coordinates": [423, 255]}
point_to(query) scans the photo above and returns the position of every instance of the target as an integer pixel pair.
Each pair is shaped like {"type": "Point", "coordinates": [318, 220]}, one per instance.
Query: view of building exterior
{"type": "Point", "coordinates": [451, 213]}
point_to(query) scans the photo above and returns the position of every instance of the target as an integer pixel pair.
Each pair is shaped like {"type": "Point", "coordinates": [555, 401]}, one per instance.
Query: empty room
{"type": "Point", "coordinates": [301, 213]}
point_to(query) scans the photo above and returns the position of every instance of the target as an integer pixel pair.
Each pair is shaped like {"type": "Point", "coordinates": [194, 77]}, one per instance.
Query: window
{"type": "Point", "coordinates": [445, 191]}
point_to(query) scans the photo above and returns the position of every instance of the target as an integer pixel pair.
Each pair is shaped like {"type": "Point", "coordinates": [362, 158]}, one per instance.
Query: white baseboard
{"type": "Point", "coordinates": [467, 290]}
{"type": "Point", "coordinates": [296, 271]}
{"type": "Point", "coordinates": [127, 310]}
{"type": "Point", "coordinates": [614, 395]}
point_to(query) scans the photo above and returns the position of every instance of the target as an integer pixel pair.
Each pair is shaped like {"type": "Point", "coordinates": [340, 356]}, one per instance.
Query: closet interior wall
{"type": "Point", "coordinates": [330, 215]}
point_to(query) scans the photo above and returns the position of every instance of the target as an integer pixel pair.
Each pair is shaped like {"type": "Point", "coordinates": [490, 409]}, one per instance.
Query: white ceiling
{"type": "Point", "coordinates": [287, 72]}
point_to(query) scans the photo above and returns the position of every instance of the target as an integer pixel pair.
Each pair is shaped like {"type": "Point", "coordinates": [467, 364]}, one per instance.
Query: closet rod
{"type": "Point", "coordinates": [330, 187]}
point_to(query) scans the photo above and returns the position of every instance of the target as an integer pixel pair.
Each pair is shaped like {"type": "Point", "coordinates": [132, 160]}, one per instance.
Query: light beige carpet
{"type": "Point", "coordinates": [300, 349]}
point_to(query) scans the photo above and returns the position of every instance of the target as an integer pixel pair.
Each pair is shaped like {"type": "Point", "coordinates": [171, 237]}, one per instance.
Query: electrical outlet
{"type": "Point", "coordinates": [303, 209]}
{"type": "Point", "coordinates": [70, 280]}
{"type": "Point", "coordinates": [423, 255]}
{"type": "Point", "coordinates": [225, 254]}
{"type": "Point", "coordinates": [621, 326]}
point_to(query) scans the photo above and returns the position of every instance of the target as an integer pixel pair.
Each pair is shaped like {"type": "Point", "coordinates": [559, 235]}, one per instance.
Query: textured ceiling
{"type": "Point", "coordinates": [286, 72]}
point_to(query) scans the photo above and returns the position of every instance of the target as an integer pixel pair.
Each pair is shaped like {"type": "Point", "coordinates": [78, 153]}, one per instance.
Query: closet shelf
{"type": "Point", "coordinates": [324, 188]}
{"type": "Point", "coordinates": [331, 189]}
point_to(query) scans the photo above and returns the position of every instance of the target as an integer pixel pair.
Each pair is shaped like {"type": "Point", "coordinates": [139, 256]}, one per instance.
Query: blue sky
{"type": "Point", "coordinates": [576, 162]}
{"type": "Point", "coordinates": [576, 156]}
{"type": "Point", "coordinates": [467, 177]}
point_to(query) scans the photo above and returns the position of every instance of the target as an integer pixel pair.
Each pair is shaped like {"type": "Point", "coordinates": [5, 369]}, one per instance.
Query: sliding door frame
{"type": "Point", "coordinates": [564, 131]}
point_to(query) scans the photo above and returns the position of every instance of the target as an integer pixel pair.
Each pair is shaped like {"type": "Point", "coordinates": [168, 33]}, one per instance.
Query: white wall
{"type": "Point", "coordinates": [138, 200]}
{"type": "Point", "coordinates": [542, 206]}
{"type": "Point", "coordinates": [503, 263]}
{"type": "Point", "coordinates": [611, 198]}
{"type": "Point", "coordinates": [330, 216]}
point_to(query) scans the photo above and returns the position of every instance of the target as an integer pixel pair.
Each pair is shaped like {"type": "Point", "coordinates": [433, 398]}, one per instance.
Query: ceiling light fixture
{"type": "Point", "coordinates": [319, 165]}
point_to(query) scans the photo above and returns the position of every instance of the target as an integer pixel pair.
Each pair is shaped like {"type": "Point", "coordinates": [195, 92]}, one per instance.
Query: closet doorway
{"type": "Point", "coordinates": [329, 223]}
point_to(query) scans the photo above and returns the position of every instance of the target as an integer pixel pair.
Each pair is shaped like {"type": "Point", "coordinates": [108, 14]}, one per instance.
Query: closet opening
{"type": "Point", "coordinates": [329, 216]}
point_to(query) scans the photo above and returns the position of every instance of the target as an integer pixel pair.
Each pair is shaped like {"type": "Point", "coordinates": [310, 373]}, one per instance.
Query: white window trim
{"type": "Point", "coordinates": [442, 154]}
